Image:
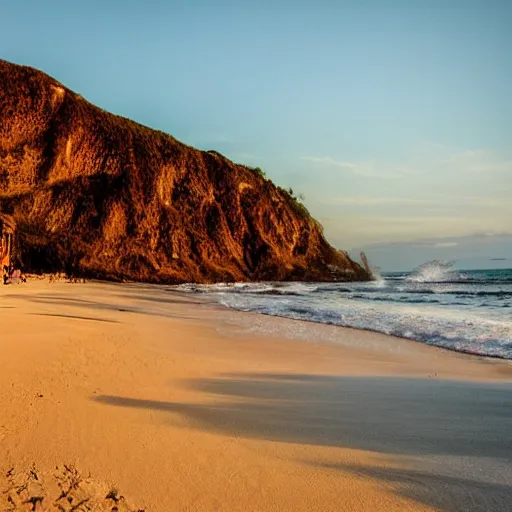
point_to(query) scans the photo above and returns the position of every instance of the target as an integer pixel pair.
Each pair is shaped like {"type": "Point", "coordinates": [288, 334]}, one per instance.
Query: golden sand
{"type": "Point", "coordinates": [179, 404]}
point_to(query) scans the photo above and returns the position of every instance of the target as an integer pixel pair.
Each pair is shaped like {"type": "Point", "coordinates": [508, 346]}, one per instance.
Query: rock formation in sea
{"type": "Point", "coordinates": [97, 195]}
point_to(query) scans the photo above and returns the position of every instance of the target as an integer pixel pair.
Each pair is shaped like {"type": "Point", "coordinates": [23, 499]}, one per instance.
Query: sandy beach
{"type": "Point", "coordinates": [182, 405]}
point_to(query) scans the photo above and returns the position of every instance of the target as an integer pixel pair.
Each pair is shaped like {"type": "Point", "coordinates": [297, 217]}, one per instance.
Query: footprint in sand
{"type": "Point", "coordinates": [64, 491]}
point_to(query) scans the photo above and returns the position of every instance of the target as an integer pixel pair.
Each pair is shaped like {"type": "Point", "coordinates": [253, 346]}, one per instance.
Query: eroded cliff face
{"type": "Point", "coordinates": [98, 195]}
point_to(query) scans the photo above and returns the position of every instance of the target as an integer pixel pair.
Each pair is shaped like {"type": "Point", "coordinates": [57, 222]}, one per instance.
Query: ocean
{"type": "Point", "coordinates": [467, 311]}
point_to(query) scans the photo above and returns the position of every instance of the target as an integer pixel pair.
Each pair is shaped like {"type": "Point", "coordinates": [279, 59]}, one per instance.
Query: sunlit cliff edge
{"type": "Point", "coordinates": [98, 195]}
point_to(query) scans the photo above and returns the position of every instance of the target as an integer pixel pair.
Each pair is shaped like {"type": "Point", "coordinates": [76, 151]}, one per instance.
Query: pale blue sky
{"type": "Point", "coordinates": [392, 117]}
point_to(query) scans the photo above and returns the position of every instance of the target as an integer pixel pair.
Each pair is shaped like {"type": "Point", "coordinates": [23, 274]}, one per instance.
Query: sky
{"type": "Point", "coordinates": [393, 118]}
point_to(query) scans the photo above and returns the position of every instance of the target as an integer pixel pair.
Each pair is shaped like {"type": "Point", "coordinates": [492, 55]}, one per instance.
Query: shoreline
{"type": "Point", "coordinates": [52, 278]}
{"type": "Point", "coordinates": [184, 404]}
{"type": "Point", "coordinates": [464, 352]}
{"type": "Point", "coordinates": [313, 322]}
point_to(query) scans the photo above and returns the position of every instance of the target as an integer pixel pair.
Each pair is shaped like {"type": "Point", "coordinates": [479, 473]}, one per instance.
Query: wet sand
{"type": "Point", "coordinates": [182, 405]}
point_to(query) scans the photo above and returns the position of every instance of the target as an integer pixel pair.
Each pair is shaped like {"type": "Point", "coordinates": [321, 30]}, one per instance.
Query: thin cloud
{"type": "Point", "coordinates": [491, 234]}
{"type": "Point", "coordinates": [457, 241]}
{"type": "Point", "coordinates": [426, 159]}
{"type": "Point", "coordinates": [445, 244]}
{"type": "Point", "coordinates": [477, 161]}
{"type": "Point", "coordinates": [377, 200]}
{"type": "Point", "coordinates": [364, 169]}
{"type": "Point", "coordinates": [433, 191]}
{"type": "Point", "coordinates": [487, 202]}
{"type": "Point", "coordinates": [328, 161]}
{"type": "Point", "coordinates": [433, 245]}
{"type": "Point", "coordinates": [241, 157]}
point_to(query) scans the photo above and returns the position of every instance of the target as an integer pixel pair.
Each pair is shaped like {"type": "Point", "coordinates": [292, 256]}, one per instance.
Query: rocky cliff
{"type": "Point", "coordinates": [98, 195]}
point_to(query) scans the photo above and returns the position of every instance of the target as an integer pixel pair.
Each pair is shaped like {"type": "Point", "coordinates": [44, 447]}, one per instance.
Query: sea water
{"type": "Point", "coordinates": [467, 311]}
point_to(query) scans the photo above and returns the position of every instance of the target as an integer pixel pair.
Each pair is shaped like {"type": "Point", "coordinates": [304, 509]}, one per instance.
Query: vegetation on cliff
{"type": "Point", "coordinates": [94, 194]}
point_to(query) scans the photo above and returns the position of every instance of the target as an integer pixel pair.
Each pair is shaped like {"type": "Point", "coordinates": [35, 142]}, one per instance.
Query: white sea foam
{"type": "Point", "coordinates": [469, 312]}
{"type": "Point", "coordinates": [434, 271]}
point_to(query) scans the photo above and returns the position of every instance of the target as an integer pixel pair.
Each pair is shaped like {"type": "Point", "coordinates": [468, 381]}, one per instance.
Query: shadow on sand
{"type": "Point", "coordinates": [77, 317]}
{"type": "Point", "coordinates": [142, 307]}
{"type": "Point", "coordinates": [422, 418]}
{"type": "Point", "coordinates": [439, 491]}
{"type": "Point", "coordinates": [387, 415]}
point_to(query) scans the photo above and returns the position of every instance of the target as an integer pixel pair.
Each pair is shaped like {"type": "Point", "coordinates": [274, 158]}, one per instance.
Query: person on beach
{"type": "Point", "coordinates": [15, 276]}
